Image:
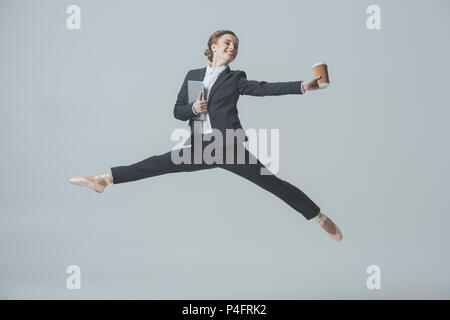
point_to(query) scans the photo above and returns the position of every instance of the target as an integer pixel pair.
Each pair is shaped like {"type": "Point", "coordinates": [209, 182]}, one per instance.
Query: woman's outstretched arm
{"type": "Point", "coordinates": [263, 88]}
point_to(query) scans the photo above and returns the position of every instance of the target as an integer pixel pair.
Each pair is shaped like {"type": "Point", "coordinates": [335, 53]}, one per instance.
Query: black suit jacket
{"type": "Point", "coordinates": [224, 95]}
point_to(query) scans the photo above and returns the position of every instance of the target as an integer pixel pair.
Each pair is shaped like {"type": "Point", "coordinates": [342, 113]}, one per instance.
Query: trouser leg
{"type": "Point", "coordinates": [290, 194]}
{"type": "Point", "coordinates": [154, 166]}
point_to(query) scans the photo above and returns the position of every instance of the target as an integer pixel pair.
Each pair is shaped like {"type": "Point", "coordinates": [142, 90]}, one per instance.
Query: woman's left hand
{"type": "Point", "coordinates": [311, 84]}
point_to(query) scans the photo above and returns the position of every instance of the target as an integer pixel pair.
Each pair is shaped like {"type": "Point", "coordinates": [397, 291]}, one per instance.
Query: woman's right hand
{"type": "Point", "coordinates": [200, 105]}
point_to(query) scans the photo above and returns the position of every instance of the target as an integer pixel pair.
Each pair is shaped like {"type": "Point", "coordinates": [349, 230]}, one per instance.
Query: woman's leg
{"type": "Point", "coordinates": [156, 165]}
{"type": "Point", "coordinates": [290, 194]}
{"type": "Point", "coordinates": [150, 167]}
{"type": "Point", "coordinates": [294, 197]}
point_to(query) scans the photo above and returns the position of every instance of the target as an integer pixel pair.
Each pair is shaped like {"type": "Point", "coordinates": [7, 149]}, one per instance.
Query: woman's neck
{"type": "Point", "coordinates": [217, 64]}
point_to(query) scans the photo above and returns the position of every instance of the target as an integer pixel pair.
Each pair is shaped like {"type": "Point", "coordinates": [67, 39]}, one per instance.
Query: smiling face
{"type": "Point", "coordinates": [226, 48]}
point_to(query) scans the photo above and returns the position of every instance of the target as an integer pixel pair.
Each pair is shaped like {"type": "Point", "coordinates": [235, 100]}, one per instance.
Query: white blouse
{"type": "Point", "coordinates": [211, 76]}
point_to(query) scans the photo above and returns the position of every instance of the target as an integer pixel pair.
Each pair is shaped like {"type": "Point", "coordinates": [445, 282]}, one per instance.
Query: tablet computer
{"type": "Point", "coordinates": [194, 88]}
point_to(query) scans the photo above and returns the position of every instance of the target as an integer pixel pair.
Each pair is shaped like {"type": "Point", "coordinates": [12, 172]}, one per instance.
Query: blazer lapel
{"type": "Point", "coordinates": [201, 74]}
{"type": "Point", "coordinates": [220, 79]}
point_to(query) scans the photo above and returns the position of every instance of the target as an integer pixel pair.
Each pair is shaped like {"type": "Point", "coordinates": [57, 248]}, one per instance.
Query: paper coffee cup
{"type": "Point", "coordinates": [321, 69]}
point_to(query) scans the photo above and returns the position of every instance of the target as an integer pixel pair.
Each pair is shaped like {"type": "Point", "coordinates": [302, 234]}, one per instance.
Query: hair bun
{"type": "Point", "coordinates": [209, 54]}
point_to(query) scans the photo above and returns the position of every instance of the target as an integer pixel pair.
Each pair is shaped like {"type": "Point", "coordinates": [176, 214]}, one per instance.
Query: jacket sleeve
{"type": "Point", "coordinates": [182, 109]}
{"type": "Point", "coordinates": [263, 88]}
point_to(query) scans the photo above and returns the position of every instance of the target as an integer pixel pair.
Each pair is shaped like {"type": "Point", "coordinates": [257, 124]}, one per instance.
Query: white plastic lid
{"type": "Point", "coordinates": [318, 64]}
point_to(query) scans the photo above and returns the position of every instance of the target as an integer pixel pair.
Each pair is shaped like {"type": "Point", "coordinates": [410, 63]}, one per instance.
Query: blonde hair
{"type": "Point", "coordinates": [213, 40]}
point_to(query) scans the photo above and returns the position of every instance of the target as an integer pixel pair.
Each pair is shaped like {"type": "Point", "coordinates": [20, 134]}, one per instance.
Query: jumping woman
{"type": "Point", "coordinates": [222, 88]}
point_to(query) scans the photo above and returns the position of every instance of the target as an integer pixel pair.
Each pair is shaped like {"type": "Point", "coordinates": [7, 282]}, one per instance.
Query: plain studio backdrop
{"type": "Point", "coordinates": [371, 150]}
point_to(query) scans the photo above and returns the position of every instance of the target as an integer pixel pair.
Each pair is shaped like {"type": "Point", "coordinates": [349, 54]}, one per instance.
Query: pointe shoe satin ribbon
{"type": "Point", "coordinates": [94, 185]}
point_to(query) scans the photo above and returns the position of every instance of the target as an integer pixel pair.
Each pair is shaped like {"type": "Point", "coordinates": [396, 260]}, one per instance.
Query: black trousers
{"type": "Point", "coordinates": [251, 170]}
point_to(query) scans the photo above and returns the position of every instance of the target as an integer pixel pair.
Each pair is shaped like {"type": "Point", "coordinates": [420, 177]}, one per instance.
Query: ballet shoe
{"type": "Point", "coordinates": [94, 185]}
{"type": "Point", "coordinates": [337, 235]}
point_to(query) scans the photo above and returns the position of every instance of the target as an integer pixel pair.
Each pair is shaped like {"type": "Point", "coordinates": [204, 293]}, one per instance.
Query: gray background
{"type": "Point", "coordinates": [371, 151]}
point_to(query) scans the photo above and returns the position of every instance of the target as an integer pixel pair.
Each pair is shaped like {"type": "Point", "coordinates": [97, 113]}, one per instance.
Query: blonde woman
{"type": "Point", "coordinates": [223, 87]}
